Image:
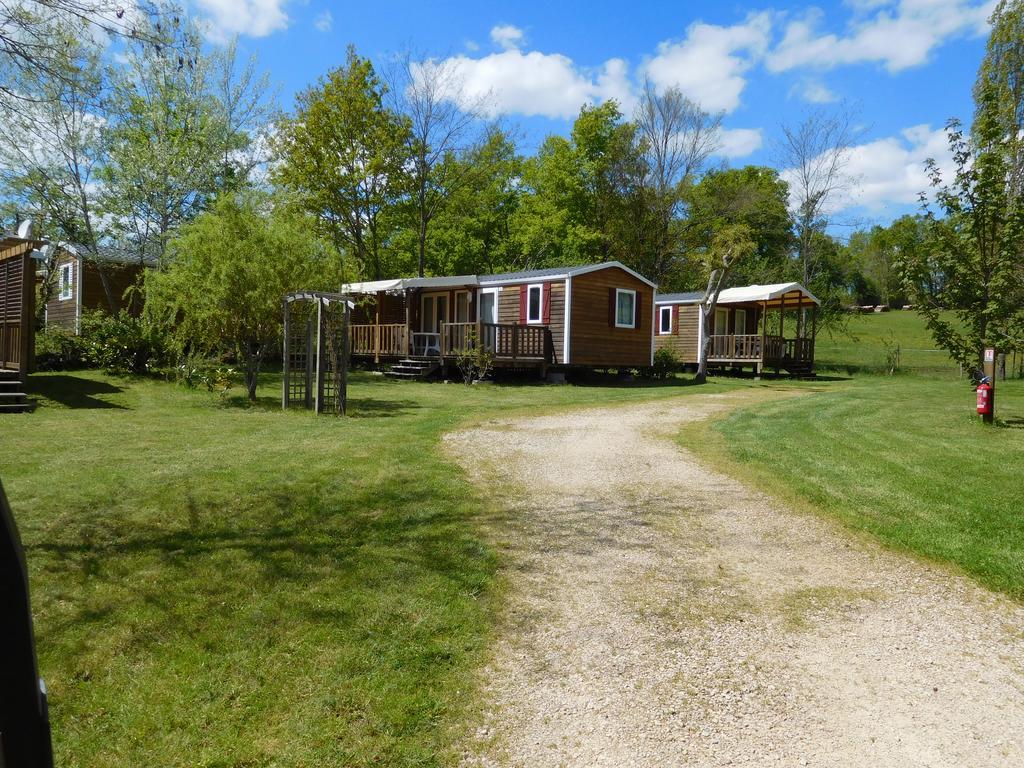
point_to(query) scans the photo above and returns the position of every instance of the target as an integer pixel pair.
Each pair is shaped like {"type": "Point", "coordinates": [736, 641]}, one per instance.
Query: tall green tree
{"type": "Point", "coordinates": [229, 269]}
{"type": "Point", "coordinates": [755, 197]}
{"type": "Point", "coordinates": [973, 259]}
{"type": "Point", "coordinates": [53, 146]}
{"type": "Point", "coordinates": [999, 90]}
{"type": "Point", "coordinates": [473, 232]}
{"type": "Point", "coordinates": [165, 140]}
{"type": "Point", "coordinates": [575, 190]}
{"type": "Point", "coordinates": [676, 138]}
{"type": "Point", "coordinates": [347, 155]}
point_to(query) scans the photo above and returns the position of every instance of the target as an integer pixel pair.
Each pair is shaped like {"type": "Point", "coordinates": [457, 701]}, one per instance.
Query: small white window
{"type": "Point", "coordinates": [664, 320]}
{"type": "Point", "coordinates": [534, 299]}
{"type": "Point", "coordinates": [741, 322]}
{"type": "Point", "coordinates": [66, 272]}
{"type": "Point", "coordinates": [625, 308]}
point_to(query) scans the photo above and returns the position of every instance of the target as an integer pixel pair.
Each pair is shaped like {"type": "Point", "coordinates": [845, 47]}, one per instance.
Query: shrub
{"type": "Point", "coordinates": [665, 363]}
{"type": "Point", "coordinates": [474, 360]}
{"type": "Point", "coordinates": [213, 375]}
{"type": "Point", "coordinates": [122, 343]}
{"type": "Point", "coordinates": [58, 349]}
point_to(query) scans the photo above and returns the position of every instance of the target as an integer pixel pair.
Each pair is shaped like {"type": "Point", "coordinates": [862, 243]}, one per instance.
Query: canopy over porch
{"type": "Point", "coordinates": [768, 346]}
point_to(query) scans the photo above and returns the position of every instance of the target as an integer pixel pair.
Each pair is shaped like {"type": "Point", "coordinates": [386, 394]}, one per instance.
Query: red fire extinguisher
{"type": "Point", "coordinates": [984, 391]}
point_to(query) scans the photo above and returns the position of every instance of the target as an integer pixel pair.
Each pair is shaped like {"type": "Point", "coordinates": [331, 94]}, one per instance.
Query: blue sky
{"type": "Point", "coordinates": [906, 66]}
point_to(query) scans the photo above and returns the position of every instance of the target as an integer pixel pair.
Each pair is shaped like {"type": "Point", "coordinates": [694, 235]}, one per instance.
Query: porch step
{"type": "Point", "coordinates": [12, 401]}
{"type": "Point", "coordinates": [411, 368]}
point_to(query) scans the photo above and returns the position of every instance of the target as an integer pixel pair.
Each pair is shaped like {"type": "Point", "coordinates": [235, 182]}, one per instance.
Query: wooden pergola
{"type": "Point", "coordinates": [316, 353]}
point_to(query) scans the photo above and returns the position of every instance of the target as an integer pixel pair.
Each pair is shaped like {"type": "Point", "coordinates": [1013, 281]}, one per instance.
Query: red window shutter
{"type": "Point", "coordinates": [638, 303]}
{"type": "Point", "coordinates": [522, 304]}
{"type": "Point", "coordinates": [611, 307]}
{"type": "Point", "coordinates": [675, 319]}
{"type": "Point", "coordinates": [546, 311]}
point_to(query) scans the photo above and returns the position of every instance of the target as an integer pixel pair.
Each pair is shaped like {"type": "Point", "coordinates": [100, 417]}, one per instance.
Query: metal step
{"type": "Point", "coordinates": [16, 407]}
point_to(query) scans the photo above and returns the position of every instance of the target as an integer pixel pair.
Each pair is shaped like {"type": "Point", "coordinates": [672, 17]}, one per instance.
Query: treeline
{"type": "Point", "coordinates": [127, 140]}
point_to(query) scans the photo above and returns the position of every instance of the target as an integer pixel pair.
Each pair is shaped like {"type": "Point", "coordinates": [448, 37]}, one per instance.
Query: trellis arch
{"type": "Point", "coordinates": [316, 351]}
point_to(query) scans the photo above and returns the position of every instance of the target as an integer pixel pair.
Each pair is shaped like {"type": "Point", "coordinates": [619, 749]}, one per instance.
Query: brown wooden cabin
{"type": "Point", "coordinates": [748, 330]}
{"type": "Point", "coordinates": [18, 257]}
{"type": "Point", "coordinates": [593, 316]}
{"type": "Point", "coordinates": [78, 283]}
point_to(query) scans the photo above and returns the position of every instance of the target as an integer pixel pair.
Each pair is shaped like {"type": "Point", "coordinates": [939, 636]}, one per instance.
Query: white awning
{"type": "Point", "coordinates": [767, 293]}
{"type": "Point", "coordinates": [376, 286]}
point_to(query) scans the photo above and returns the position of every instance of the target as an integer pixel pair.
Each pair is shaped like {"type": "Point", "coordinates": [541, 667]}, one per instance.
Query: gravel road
{"type": "Point", "coordinates": [662, 614]}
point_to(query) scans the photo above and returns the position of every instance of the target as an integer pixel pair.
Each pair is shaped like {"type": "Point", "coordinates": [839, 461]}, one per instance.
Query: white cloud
{"type": "Point", "coordinates": [898, 35]}
{"type": "Point", "coordinates": [324, 21]}
{"type": "Point", "coordinates": [534, 83]}
{"type": "Point", "coordinates": [256, 18]}
{"type": "Point", "coordinates": [735, 143]}
{"type": "Point", "coordinates": [507, 36]}
{"type": "Point", "coordinates": [710, 63]}
{"type": "Point", "coordinates": [890, 171]}
{"type": "Point", "coordinates": [814, 92]}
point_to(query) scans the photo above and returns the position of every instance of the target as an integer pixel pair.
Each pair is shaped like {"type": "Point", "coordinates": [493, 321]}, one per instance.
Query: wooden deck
{"type": "Point", "coordinates": [762, 351]}
{"type": "Point", "coordinates": [511, 344]}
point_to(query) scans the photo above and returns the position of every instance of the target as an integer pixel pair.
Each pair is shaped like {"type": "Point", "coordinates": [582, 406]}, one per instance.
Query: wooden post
{"type": "Point", "coordinates": [284, 353]}
{"type": "Point", "coordinates": [309, 362]}
{"type": "Point", "coordinates": [814, 332]}
{"type": "Point", "coordinates": [408, 323]}
{"type": "Point", "coordinates": [515, 340]}
{"type": "Point", "coordinates": [376, 329]}
{"type": "Point", "coordinates": [319, 403]}
{"type": "Point", "coordinates": [342, 393]}
{"type": "Point", "coordinates": [782, 333]}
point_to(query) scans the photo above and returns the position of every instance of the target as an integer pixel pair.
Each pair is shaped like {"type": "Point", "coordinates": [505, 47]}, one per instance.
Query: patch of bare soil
{"type": "Point", "coordinates": [662, 614]}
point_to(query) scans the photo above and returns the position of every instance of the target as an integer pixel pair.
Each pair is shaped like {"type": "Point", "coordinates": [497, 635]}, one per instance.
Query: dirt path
{"type": "Point", "coordinates": [663, 614]}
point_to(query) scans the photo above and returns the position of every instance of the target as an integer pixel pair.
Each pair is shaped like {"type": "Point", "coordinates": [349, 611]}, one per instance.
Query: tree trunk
{"type": "Point", "coordinates": [422, 233]}
{"type": "Point", "coordinates": [253, 358]}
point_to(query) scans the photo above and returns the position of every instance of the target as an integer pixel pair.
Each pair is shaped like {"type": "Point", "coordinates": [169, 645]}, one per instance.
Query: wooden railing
{"type": "Point", "coordinates": [735, 347]}
{"type": "Point", "coordinates": [749, 347]}
{"type": "Point", "coordinates": [376, 340]}
{"type": "Point", "coordinates": [506, 341]}
{"type": "Point", "coordinates": [458, 337]}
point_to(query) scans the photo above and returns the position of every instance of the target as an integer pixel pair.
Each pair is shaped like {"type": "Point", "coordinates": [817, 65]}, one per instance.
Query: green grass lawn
{"type": "Point", "coordinates": [904, 458]}
{"type": "Point", "coordinates": [861, 346]}
{"type": "Point", "coordinates": [220, 585]}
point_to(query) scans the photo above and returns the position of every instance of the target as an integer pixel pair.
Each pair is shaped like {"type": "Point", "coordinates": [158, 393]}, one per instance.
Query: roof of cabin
{"type": "Point", "coordinates": [689, 297]}
{"type": "Point", "coordinates": [741, 294]}
{"type": "Point", "coordinates": [111, 254]}
{"type": "Point", "coordinates": [401, 284]}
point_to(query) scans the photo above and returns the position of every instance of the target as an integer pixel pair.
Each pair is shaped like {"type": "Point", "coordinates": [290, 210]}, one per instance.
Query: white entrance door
{"type": "Point", "coordinates": [489, 307]}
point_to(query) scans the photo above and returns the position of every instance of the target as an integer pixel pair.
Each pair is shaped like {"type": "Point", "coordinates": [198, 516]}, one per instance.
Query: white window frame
{"type": "Point", "coordinates": [539, 320]}
{"type": "Point", "coordinates": [496, 293]}
{"type": "Point", "coordinates": [632, 320]}
{"type": "Point", "coordinates": [69, 269]}
{"type": "Point", "coordinates": [662, 311]}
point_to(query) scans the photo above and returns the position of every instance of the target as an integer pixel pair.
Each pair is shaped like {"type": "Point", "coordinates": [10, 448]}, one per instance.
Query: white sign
{"type": "Point", "coordinates": [990, 355]}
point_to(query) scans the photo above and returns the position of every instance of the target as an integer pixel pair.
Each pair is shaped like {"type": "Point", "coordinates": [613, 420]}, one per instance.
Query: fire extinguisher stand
{"type": "Point", "coordinates": [987, 388]}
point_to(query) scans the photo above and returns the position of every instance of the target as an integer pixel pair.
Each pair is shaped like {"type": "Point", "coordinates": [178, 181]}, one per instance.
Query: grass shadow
{"type": "Point", "coordinates": [369, 407]}
{"type": "Point", "coordinates": [73, 391]}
